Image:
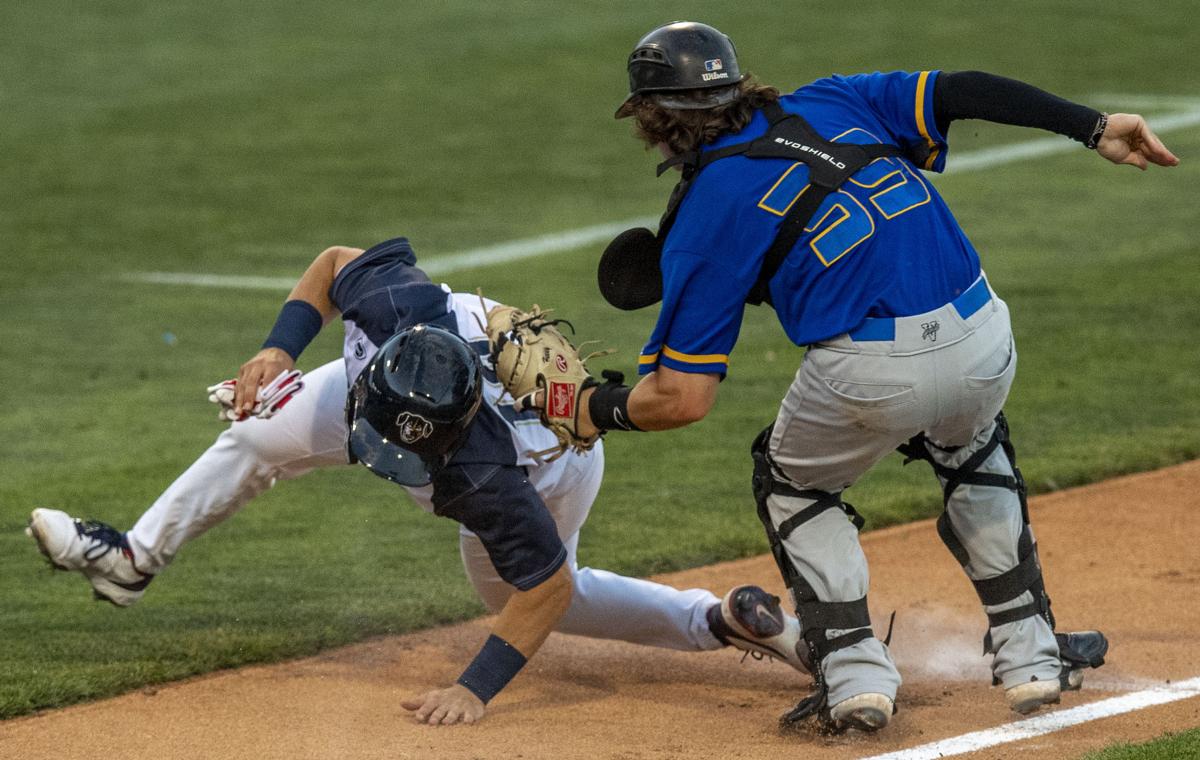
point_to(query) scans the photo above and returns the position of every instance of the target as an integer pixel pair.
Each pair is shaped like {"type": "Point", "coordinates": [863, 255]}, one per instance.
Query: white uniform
{"type": "Point", "coordinates": [310, 432]}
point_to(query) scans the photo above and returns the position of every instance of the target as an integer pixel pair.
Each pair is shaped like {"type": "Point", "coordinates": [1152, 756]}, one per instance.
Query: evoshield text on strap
{"type": "Point", "coordinates": [788, 136]}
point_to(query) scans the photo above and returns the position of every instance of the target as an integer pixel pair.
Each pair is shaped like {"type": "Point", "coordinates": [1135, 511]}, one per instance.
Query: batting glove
{"type": "Point", "coordinates": [269, 400]}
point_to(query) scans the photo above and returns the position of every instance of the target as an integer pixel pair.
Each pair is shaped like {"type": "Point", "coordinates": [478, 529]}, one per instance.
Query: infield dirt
{"type": "Point", "coordinates": [1121, 556]}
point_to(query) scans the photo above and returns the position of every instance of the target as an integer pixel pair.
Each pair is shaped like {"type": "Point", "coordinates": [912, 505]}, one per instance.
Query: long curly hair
{"type": "Point", "coordinates": [683, 130]}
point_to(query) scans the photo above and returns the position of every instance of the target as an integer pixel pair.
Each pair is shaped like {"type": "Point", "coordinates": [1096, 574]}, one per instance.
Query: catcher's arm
{"type": "Point", "coordinates": [542, 370]}
{"type": "Point", "coordinates": [1122, 138]}
{"type": "Point", "coordinates": [526, 620]}
{"type": "Point", "coordinates": [306, 311]}
{"type": "Point", "coordinates": [666, 399]}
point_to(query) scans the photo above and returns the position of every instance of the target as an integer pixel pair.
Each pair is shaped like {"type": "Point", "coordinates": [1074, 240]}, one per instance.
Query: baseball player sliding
{"type": "Point", "coordinates": [813, 202]}
{"type": "Point", "coordinates": [424, 411]}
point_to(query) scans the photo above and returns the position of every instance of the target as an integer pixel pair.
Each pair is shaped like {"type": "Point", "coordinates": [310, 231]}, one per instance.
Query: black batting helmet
{"type": "Point", "coordinates": [678, 57]}
{"type": "Point", "coordinates": [409, 409]}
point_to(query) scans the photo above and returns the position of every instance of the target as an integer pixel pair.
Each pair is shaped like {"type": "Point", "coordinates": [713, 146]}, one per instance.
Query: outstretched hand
{"type": "Point", "coordinates": [1127, 139]}
{"type": "Point", "coordinates": [445, 707]}
{"type": "Point", "coordinates": [254, 374]}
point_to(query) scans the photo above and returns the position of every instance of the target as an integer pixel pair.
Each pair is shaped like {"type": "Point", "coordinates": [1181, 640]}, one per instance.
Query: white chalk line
{"type": "Point", "coordinates": [1048, 723]}
{"type": "Point", "coordinates": [558, 242]}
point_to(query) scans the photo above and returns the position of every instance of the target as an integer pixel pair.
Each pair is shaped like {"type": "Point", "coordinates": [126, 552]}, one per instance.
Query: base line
{"type": "Point", "coordinates": [1048, 723]}
{"type": "Point", "coordinates": [558, 242]}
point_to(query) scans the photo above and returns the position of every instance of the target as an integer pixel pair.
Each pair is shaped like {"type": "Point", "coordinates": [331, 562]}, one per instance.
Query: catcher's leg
{"type": "Point", "coordinates": [246, 459]}
{"type": "Point", "coordinates": [848, 407]}
{"type": "Point", "coordinates": [814, 538]}
{"type": "Point", "coordinates": [986, 527]}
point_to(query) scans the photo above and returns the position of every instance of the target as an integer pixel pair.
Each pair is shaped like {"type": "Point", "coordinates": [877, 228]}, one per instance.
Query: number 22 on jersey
{"type": "Point", "coordinates": [843, 221]}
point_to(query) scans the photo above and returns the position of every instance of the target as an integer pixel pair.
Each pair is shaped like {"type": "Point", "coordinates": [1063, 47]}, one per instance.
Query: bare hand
{"type": "Point", "coordinates": [1127, 139]}
{"type": "Point", "coordinates": [446, 707]}
{"type": "Point", "coordinates": [262, 369]}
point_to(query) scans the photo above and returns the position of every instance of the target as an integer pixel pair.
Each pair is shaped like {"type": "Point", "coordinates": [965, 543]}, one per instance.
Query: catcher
{"type": "Point", "coordinates": [814, 202]}
{"type": "Point", "coordinates": [425, 411]}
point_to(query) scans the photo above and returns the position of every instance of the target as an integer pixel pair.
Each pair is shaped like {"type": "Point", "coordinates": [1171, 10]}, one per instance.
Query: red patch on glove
{"type": "Point", "coordinates": [562, 400]}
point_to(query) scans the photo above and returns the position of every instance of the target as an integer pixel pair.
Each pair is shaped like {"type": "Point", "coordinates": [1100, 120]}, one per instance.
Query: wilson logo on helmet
{"type": "Point", "coordinates": [413, 427]}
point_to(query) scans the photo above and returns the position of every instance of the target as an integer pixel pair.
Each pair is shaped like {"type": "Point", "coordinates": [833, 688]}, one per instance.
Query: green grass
{"type": "Point", "coordinates": [1181, 746]}
{"type": "Point", "coordinates": [235, 139]}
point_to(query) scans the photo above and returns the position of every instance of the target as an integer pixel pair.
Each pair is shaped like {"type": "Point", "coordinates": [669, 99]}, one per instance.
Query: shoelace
{"type": "Point", "coordinates": [104, 538]}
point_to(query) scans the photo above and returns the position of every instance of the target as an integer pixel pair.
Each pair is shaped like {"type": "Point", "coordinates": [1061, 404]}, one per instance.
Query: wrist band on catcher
{"type": "Point", "coordinates": [491, 670]}
{"type": "Point", "coordinates": [1097, 132]}
{"type": "Point", "coordinates": [295, 327]}
{"type": "Point", "coordinates": [609, 404]}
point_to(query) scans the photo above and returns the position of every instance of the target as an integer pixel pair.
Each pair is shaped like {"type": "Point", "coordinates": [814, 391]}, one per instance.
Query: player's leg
{"type": "Point", "coordinates": [611, 606]}
{"type": "Point", "coordinates": [836, 421]}
{"type": "Point", "coordinates": [245, 460]}
{"type": "Point", "coordinates": [604, 604]}
{"type": "Point", "coordinates": [986, 522]}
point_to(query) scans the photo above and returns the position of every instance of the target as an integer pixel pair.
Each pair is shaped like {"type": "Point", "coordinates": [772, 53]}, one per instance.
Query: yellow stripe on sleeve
{"type": "Point", "coordinates": [671, 353]}
{"type": "Point", "coordinates": [921, 126]}
{"type": "Point", "coordinates": [648, 358]}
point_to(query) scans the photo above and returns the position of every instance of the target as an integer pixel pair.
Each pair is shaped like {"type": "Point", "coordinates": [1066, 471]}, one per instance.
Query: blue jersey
{"type": "Point", "coordinates": [883, 245]}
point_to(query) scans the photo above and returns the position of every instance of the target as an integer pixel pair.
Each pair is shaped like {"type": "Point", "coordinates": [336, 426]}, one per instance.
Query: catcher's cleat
{"type": "Point", "coordinates": [95, 549]}
{"type": "Point", "coordinates": [865, 712]}
{"type": "Point", "coordinates": [1079, 650]}
{"type": "Point", "coordinates": [752, 620]}
{"type": "Point", "coordinates": [1024, 698]}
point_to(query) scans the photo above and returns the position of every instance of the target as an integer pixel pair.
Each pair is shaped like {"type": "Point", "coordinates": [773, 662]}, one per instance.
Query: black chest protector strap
{"type": "Point", "coordinates": [788, 136]}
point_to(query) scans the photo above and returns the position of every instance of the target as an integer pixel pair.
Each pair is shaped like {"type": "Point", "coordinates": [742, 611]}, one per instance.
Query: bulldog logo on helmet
{"type": "Point", "coordinates": [413, 427]}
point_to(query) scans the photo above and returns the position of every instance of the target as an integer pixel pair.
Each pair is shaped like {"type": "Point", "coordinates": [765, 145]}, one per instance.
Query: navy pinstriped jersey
{"type": "Point", "coordinates": [884, 245]}
{"type": "Point", "coordinates": [484, 486]}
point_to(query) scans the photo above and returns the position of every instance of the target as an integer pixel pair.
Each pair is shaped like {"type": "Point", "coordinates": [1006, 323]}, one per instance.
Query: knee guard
{"type": "Point", "coordinates": [1085, 649]}
{"type": "Point", "coordinates": [816, 617]}
{"type": "Point", "coordinates": [1027, 575]}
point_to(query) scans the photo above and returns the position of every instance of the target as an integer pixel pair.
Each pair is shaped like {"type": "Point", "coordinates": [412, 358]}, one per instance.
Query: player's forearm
{"type": "Point", "coordinates": [523, 625]}
{"type": "Point", "coordinates": [667, 399]}
{"type": "Point", "coordinates": [663, 400]}
{"type": "Point", "coordinates": [529, 616]}
{"type": "Point", "coordinates": [979, 95]}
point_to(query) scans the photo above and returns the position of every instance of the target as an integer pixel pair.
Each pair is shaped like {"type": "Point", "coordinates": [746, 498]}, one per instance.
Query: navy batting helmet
{"type": "Point", "coordinates": [409, 409]}
{"type": "Point", "coordinates": [678, 57]}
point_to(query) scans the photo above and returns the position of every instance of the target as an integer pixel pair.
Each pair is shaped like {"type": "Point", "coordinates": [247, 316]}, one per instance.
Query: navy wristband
{"type": "Point", "coordinates": [491, 670]}
{"type": "Point", "coordinates": [295, 327]}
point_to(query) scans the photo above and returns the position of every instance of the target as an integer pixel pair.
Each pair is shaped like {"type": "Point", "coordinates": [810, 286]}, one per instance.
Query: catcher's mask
{"type": "Point", "coordinates": [409, 409]}
{"type": "Point", "coordinates": [684, 64]}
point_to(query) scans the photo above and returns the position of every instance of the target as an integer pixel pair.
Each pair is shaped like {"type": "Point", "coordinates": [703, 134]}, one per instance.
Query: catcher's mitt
{"type": "Point", "coordinates": [531, 355]}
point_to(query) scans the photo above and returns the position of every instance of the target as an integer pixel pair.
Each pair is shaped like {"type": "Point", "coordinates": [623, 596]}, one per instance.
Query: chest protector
{"type": "Point", "coordinates": [788, 136]}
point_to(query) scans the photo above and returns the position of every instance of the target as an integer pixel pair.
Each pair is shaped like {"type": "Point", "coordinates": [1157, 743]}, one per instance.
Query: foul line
{"type": "Point", "coordinates": [557, 242]}
{"type": "Point", "coordinates": [1049, 723]}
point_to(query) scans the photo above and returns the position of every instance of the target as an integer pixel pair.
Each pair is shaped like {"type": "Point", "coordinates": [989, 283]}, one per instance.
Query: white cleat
{"type": "Point", "coordinates": [1024, 698]}
{"type": "Point", "coordinates": [753, 621]}
{"type": "Point", "coordinates": [95, 549]}
{"type": "Point", "coordinates": [865, 712]}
